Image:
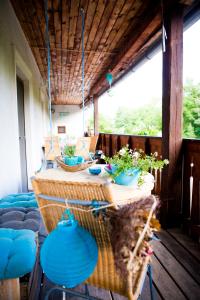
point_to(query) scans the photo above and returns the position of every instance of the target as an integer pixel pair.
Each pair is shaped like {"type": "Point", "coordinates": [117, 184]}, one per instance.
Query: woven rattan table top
{"type": "Point", "coordinates": [119, 192]}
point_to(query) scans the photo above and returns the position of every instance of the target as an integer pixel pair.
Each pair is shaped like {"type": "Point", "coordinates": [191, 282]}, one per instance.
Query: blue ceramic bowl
{"type": "Point", "coordinates": [130, 177]}
{"type": "Point", "coordinates": [74, 160]}
{"type": "Point", "coordinates": [95, 171]}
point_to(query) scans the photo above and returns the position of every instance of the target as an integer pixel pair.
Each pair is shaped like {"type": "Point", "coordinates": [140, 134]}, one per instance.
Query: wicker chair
{"type": "Point", "coordinates": [51, 153]}
{"type": "Point", "coordinates": [93, 143]}
{"type": "Point", "coordinates": [50, 195]}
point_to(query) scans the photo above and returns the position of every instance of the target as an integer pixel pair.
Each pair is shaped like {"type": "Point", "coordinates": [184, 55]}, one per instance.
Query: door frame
{"type": "Point", "coordinates": [24, 73]}
{"type": "Point", "coordinates": [22, 135]}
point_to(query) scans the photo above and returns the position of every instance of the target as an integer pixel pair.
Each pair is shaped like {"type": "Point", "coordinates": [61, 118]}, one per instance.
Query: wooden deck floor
{"type": "Point", "coordinates": [176, 272]}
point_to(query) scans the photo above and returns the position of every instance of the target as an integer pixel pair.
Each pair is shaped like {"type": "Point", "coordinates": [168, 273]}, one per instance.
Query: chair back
{"type": "Point", "coordinates": [93, 143]}
{"type": "Point", "coordinates": [51, 151]}
{"type": "Point", "coordinates": [83, 147]}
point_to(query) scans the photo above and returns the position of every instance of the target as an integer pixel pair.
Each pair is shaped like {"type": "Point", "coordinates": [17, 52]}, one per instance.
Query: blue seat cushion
{"type": "Point", "coordinates": [20, 218]}
{"type": "Point", "coordinates": [18, 252]}
{"type": "Point", "coordinates": [23, 218]}
{"type": "Point", "coordinates": [19, 200]}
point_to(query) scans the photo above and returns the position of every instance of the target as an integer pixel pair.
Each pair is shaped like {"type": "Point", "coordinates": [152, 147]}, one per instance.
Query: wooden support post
{"type": "Point", "coordinates": [10, 289]}
{"type": "Point", "coordinates": [172, 116]}
{"type": "Point", "coordinates": [96, 117]}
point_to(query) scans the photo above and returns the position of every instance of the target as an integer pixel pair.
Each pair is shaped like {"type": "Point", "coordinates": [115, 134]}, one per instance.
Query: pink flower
{"type": "Point", "coordinates": [109, 167]}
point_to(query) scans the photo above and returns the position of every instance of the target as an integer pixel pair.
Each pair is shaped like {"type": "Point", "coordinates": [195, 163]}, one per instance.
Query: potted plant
{"type": "Point", "coordinates": [69, 156]}
{"type": "Point", "coordinates": [127, 166]}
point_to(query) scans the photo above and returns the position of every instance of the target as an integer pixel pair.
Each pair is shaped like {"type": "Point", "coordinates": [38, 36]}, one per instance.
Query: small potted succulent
{"type": "Point", "coordinates": [69, 156]}
{"type": "Point", "coordinates": [127, 166]}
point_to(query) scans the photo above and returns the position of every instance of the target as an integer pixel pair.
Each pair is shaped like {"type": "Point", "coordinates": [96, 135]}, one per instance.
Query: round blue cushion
{"type": "Point", "coordinates": [18, 252]}
{"type": "Point", "coordinates": [19, 200]}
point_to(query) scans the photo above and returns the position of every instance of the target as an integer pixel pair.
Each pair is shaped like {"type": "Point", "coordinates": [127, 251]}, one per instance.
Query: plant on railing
{"type": "Point", "coordinates": [132, 163]}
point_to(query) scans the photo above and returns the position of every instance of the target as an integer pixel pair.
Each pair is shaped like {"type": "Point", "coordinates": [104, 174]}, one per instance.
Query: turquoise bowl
{"type": "Point", "coordinates": [74, 160]}
{"type": "Point", "coordinates": [95, 171]}
{"type": "Point", "coordinates": [130, 177]}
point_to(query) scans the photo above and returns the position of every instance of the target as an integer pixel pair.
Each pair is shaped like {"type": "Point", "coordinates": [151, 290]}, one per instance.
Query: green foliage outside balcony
{"type": "Point", "coordinates": [148, 121]}
{"type": "Point", "coordinates": [191, 110]}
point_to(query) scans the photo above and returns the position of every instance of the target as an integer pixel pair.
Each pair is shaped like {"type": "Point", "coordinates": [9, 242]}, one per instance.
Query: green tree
{"type": "Point", "coordinates": [148, 120]}
{"type": "Point", "coordinates": [105, 124]}
{"type": "Point", "coordinates": [191, 110]}
{"type": "Point", "coordinates": [142, 121]}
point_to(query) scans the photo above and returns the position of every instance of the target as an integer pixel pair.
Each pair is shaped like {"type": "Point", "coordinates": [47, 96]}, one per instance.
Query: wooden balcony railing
{"type": "Point", "coordinates": [111, 143]}
{"type": "Point", "coordinates": [191, 154]}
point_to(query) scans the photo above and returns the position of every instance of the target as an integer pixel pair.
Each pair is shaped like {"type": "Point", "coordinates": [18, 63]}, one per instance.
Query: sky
{"type": "Point", "coordinates": [145, 84]}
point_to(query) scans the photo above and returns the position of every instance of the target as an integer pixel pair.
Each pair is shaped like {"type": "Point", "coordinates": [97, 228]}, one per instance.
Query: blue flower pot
{"type": "Point", "coordinates": [95, 170]}
{"type": "Point", "coordinates": [73, 160]}
{"type": "Point", "coordinates": [130, 177]}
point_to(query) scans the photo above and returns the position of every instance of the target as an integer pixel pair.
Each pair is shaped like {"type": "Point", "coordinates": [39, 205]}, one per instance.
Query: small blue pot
{"type": "Point", "coordinates": [73, 160]}
{"type": "Point", "coordinates": [130, 177]}
{"type": "Point", "coordinates": [95, 171]}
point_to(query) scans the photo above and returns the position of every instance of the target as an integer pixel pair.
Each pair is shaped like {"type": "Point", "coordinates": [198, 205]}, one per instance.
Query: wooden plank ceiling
{"type": "Point", "coordinates": [117, 32]}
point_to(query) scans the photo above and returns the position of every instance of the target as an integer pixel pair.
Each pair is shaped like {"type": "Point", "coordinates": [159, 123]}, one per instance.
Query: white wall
{"type": "Point", "coordinates": [72, 121]}
{"type": "Point", "coordinates": [16, 58]}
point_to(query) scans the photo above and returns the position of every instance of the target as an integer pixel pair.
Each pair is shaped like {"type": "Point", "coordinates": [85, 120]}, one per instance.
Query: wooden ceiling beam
{"type": "Point", "coordinates": [77, 56]}
{"type": "Point", "coordinates": [89, 14]}
{"type": "Point", "coordinates": [75, 50]}
{"type": "Point", "coordinates": [95, 14]}
{"type": "Point", "coordinates": [136, 59]}
{"type": "Point", "coordinates": [100, 40]}
{"type": "Point", "coordinates": [123, 14]}
{"type": "Point", "coordinates": [117, 33]}
{"type": "Point", "coordinates": [58, 42]}
{"type": "Point", "coordinates": [129, 51]}
{"type": "Point", "coordinates": [105, 37]}
{"type": "Point", "coordinates": [74, 17]}
{"type": "Point", "coordinates": [133, 48]}
{"type": "Point", "coordinates": [187, 2]}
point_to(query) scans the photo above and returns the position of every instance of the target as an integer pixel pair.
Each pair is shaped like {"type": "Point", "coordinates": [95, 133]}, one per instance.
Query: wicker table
{"type": "Point", "coordinates": [119, 192]}
{"type": "Point", "coordinates": [52, 187]}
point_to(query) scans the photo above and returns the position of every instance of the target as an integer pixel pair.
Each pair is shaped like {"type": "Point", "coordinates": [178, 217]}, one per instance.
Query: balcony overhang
{"type": "Point", "coordinates": [117, 34]}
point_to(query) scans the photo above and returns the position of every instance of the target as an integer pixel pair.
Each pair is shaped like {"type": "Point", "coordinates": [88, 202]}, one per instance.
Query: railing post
{"type": "Point", "coordinates": [172, 115]}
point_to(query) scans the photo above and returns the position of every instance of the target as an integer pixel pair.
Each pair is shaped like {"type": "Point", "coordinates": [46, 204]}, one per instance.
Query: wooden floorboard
{"type": "Point", "coordinates": [176, 273]}
{"type": "Point", "coordinates": [37, 278]}
{"type": "Point", "coordinates": [117, 296]}
{"type": "Point", "coordinates": [179, 275]}
{"type": "Point", "coordinates": [191, 265]}
{"type": "Point", "coordinates": [191, 246]}
{"type": "Point", "coordinates": [164, 283]}
{"type": "Point", "coordinates": [145, 295]}
{"type": "Point", "coordinates": [99, 293]}
{"type": "Point", "coordinates": [46, 285]}
{"type": "Point", "coordinates": [58, 295]}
